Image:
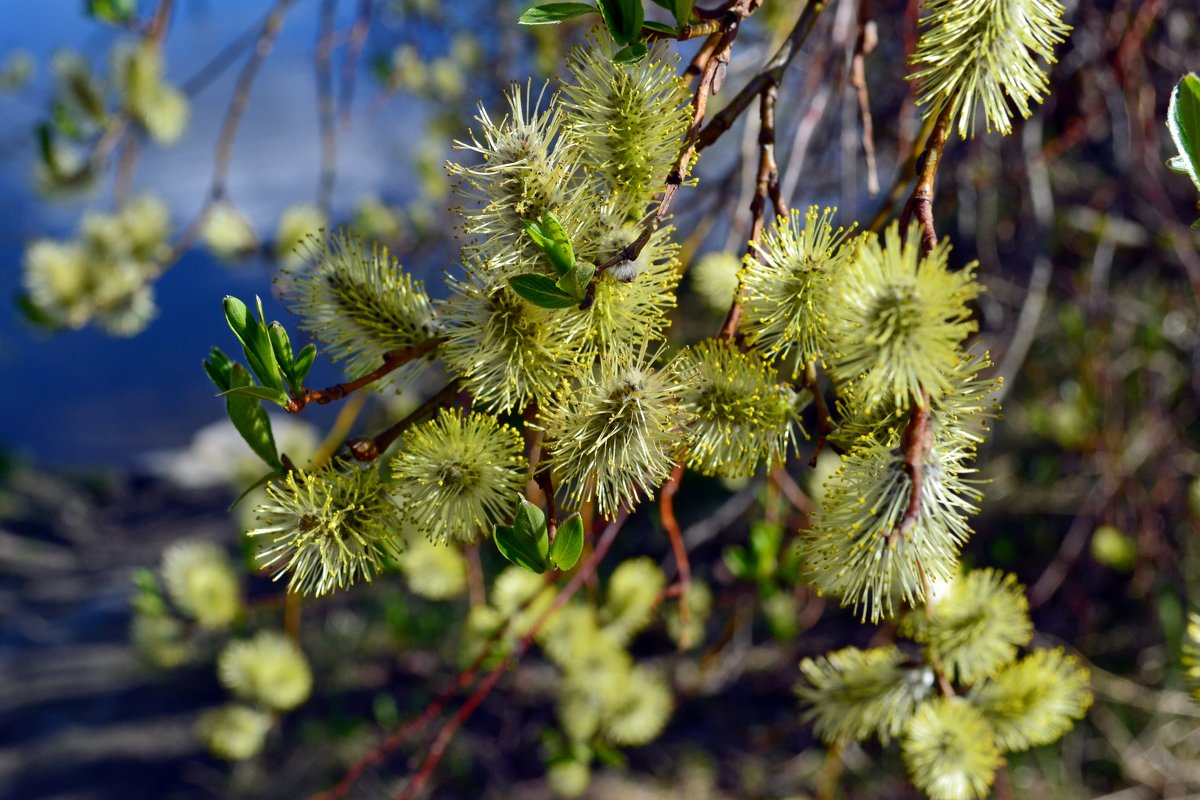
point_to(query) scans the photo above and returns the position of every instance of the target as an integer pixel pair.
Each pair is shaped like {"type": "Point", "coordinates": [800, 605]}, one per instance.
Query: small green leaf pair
{"type": "Point", "coordinates": [245, 412]}
{"type": "Point", "coordinates": [624, 19]}
{"type": "Point", "coordinates": [1183, 120]}
{"type": "Point", "coordinates": [526, 542]}
{"type": "Point", "coordinates": [573, 278]}
{"type": "Point", "coordinates": [269, 352]}
{"type": "Point", "coordinates": [114, 12]}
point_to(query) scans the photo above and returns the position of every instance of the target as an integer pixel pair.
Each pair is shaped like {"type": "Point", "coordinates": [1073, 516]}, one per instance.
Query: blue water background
{"type": "Point", "coordinates": [86, 399]}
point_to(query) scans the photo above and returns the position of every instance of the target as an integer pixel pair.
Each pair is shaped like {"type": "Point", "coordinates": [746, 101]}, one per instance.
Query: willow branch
{"type": "Point", "coordinates": [920, 203]}
{"type": "Point", "coordinates": [354, 47]}
{"type": "Point", "coordinates": [371, 449]}
{"type": "Point", "coordinates": [767, 183]}
{"type": "Point", "coordinates": [863, 45]}
{"type": "Point", "coordinates": [666, 511]}
{"type": "Point", "coordinates": [447, 732]}
{"type": "Point", "coordinates": [915, 442]}
{"type": "Point", "coordinates": [323, 67]}
{"type": "Point", "coordinates": [241, 97]}
{"type": "Point", "coordinates": [405, 732]}
{"type": "Point", "coordinates": [824, 420]}
{"type": "Point", "coordinates": [714, 53]}
{"type": "Point", "coordinates": [391, 362]}
{"type": "Point", "coordinates": [770, 75]}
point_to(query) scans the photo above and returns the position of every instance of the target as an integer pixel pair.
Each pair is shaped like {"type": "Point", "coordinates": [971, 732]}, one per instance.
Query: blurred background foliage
{"type": "Point", "coordinates": [1093, 285]}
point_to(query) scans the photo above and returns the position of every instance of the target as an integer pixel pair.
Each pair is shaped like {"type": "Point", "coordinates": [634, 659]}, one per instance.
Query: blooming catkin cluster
{"type": "Point", "coordinates": [616, 437]}
{"type": "Point", "coordinates": [327, 529]}
{"type": "Point", "coordinates": [455, 476]}
{"type": "Point", "coordinates": [104, 274]}
{"type": "Point", "coordinates": [361, 305]}
{"type": "Point", "coordinates": [985, 53]}
{"type": "Point", "coordinates": [952, 742]}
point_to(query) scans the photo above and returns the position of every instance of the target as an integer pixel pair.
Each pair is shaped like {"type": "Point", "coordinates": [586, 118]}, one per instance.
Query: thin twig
{"type": "Point", "coordinates": [401, 735]}
{"type": "Point", "coordinates": [666, 511]}
{"type": "Point", "coordinates": [716, 53]}
{"type": "Point", "coordinates": [241, 97]}
{"type": "Point", "coordinates": [863, 45]}
{"type": "Point", "coordinates": [391, 362]}
{"type": "Point", "coordinates": [371, 449]}
{"type": "Point", "coordinates": [770, 75]}
{"type": "Point", "coordinates": [766, 184]}
{"type": "Point", "coordinates": [354, 47]}
{"type": "Point", "coordinates": [326, 123]}
{"type": "Point", "coordinates": [224, 58]}
{"type": "Point", "coordinates": [920, 203]}
{"type": "Point", "coordinates": [825, 424]}
{"type": "Point", "coordinates": [447, 732]}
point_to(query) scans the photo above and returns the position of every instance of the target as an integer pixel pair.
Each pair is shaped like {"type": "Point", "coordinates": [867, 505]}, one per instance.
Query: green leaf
{"type": "Point", "coordinates": [281, 346]}
{"type": "Point", "coordinates": [576, 281]}
{"type": "Point", "coordinates": [218, 366]}
{"type": "Point", "coordinates": [258, 393]}
{"type": "Point", "coordinates": [659, 27]}
{"type": "Point", "coordinates": [549, 235]}
{"type": "Point", "coordinates": [303, 364]}
{"type": "Point", "coordinates": [630, 54]}
{"type": "Point", "coordinates": [526, 542]}
{"type": "Point", "coordinates": [517, 550]}
{"type": "Point", "coordinates": [255, 342]}
{"type": "Point", "coordinates": [1183, 120]}
{"type": "Point", "coordinates": [541, 291]}
{"type": "Point", "coordinates": [263, 481]}
{"type": "Point", "coordinates": [114, 12]}
{"type": "Point", "coordinates": [33, 314]}
{"type": "Point", "coordinates": [623, 18]}
{"type": "Point", "coordinates": [554, 13]}
{"type": "Point", "coordinates": [530, 521]}
{"type": "Point", "coordinates": [682, 9]}
{"type": "Point", "coordinates": [250, 419]}
{"type": "Point", "coordinates": [568, 543]}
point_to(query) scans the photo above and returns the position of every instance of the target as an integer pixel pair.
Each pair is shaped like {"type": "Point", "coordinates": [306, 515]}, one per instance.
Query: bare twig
{"type": "Point", "coordinates": [825, 424]}
{"type": "Point", "coordinates": [371, 449]}
{"type": "Point", "coordinates": [354, 47]}
{"type": "Point", "coordinates": [323, 67]}
{"type": "Point", "coordinates": [241, 97]}
{"type": "Point", "coordinates": [709, 62]}
{"type": "Point", "coordinates": [392, 362]}
{"type": "Point", "coordinates": [770, 75]}
{"type": "Point", "coordinates": [447, 732]}
{"type": "Point", "coordinates": [864, 43]}
{"type": "Point", "coordinates": [920, 203]}
{"type": "Point", "coordinates": [767, 184]}
{"type": "Point", "coordinates": [666, 511]}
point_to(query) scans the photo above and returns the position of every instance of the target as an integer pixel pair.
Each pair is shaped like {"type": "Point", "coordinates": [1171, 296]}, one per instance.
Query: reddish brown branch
{"type": "Point", "coordinates": [767, 183]}
{"type": "Point", "coordinates": [867, 38]}
{"type": "Point", "coordinates": [666, 511]}
{"type": "Point", "coordinates": [915, 442]}
{"type": "Point", "coordinates": [770, 75]}
{"type": "Point", "coordinates": [401, 735]}
{"type": "Point", "coordinates": [824, 420]}
{"type": "Point", "coordinates": [714, 54]}
{"type": "Point", "coordinates": [447, 732]}
{"type": "Point", "coordinates": [391, 362]}
{"type": "Point", "coordinates": [545, 482]}
{"type": "Point", "coordinates": [920, 204]}
{"type": "Point", "coordinates": [370, 449]}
